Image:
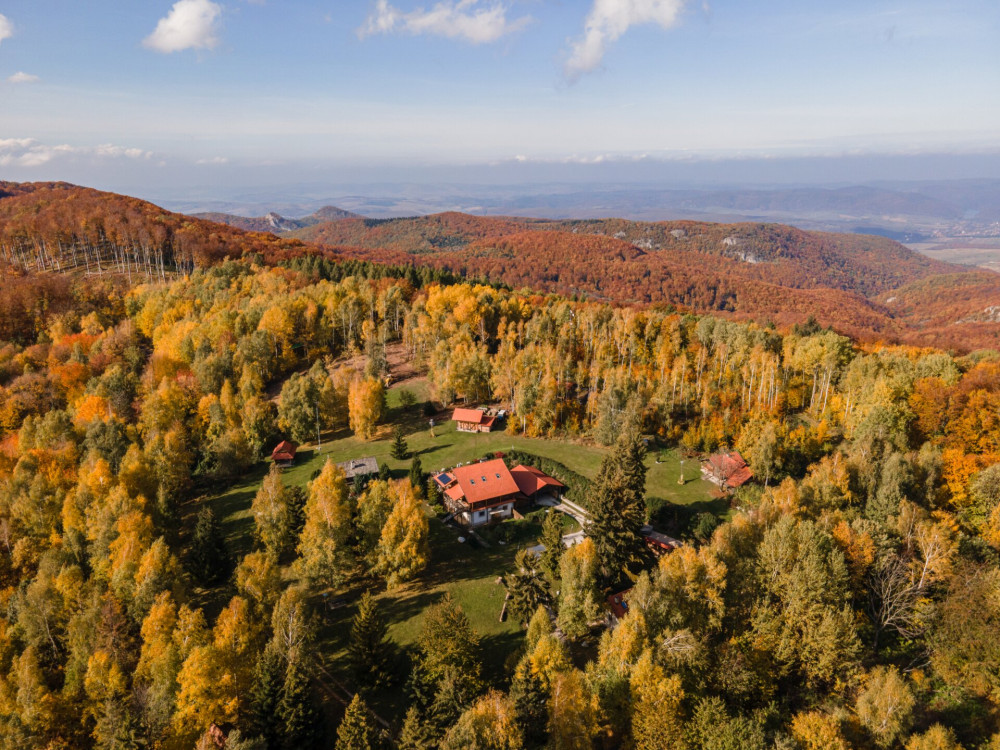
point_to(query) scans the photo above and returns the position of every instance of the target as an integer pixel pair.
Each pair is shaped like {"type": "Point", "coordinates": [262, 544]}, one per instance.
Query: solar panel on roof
{"type": "Point", "coordinates": [446, 478]}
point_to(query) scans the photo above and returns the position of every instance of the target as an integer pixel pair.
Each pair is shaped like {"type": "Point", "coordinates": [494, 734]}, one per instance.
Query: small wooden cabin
{"type": "Point", "coordinates": [284, 453]}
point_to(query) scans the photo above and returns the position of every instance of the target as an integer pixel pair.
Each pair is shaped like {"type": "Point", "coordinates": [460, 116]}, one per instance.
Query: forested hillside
{"type": "Point", "coordinates": [867, 287]}
{"type": "Point", "coordinates": [61, 227]}
{"type": "Point", "coordinates": [753, 271]}
{"type": "Point", "coordinates": [848, 598]}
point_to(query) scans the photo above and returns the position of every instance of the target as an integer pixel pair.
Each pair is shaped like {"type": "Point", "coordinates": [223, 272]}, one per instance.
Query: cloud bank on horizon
{"type": "Point", "coordinates": [28, 152]}
{"type": "Point", "coordinates": [190, 24]}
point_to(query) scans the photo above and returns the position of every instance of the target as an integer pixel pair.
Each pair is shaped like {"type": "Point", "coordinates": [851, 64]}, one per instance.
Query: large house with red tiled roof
{"type": "Point", "coordinates": [479, 493]}
{"type": "Point", "coordinates": [473, 420]}
{"type": "Point", "coordinates": [728, 470]}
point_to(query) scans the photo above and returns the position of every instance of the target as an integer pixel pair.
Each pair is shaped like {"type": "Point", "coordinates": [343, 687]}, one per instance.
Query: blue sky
{"type": "Point", "coordinates": [304, 88]}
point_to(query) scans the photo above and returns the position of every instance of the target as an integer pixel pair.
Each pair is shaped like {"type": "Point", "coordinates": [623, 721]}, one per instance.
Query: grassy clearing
{"type": "Point", "coordinates": [467, 572]}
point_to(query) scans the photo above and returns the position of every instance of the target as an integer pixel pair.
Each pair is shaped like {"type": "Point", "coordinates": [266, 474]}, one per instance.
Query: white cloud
{"type": "Point", "coordinates": [6, 28]}
{"type": "Point", "coordinates": [27, 152]}
{"type": "Point", "coordinates": [608, 20]}
{"type": "Point", "coordinates": [22, 77]}
{"type": "Point", "coordinates": [214, 161]}
{"type": "Point", "coordinates": [190, 24]}
{"type": "Point", "coordinates": [470, 20]}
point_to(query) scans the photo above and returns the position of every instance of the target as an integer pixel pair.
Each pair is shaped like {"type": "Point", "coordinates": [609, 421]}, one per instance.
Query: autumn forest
{"type": "Point", "coordinates": [847, 597]}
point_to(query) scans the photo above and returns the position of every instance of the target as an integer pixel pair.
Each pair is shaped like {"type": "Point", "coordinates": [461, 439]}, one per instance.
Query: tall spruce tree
{"type": "Point", "coordinates": [369, 650]}
{"type": "Point", "coordinates": [265, 699]}
{"type": "Point", "coordinates": [531, 704]}
{"type": "Point", "coordinates": [356, 731]}
{"type": "Point", "coordinates": [210, 561]}
{"type": "Point", "coordinates": [301, 721]}
{"type": "Point", "coordinates": [526, 587]}
{"type": "Point", "coordinates": [551, 539]}
{"type": "Point", "coordinates": [417, 476]}
{"type": "Point", "coordinates": [415, 734]}
{"type": "Point", "coordinates": [618, 508]}
{"type": "Point", "coordinates": [400, 450]}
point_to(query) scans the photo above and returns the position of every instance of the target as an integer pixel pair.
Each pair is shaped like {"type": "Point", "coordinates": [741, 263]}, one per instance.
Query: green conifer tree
{"type": "Point", "coordinates": [552, 531]}
{"type": "Point", "coordinates": [417, 476]}
{"type": "Point", "coordinates": [527, 588]}
{"type": "Point", "coordinates": [531, 704]}
{"type": "Point", "coordinates": [415, 734]}
{"type": "Point", "coordinates": [618, 508]}
{"type": "Point", "coordinates": [265, 699]}
{"type": "Point", "coordinates": [400, 450]}
{"type": "Point", "coordinates": [210, 561]}
{"type": "Point", "coordinates": [300, 719]}
{"type": "Point", "coordinates": [369, 650]}
{"type": "Point", "coordinates": [433, 492]}
{"type": "Point", "coordinates": [356, 731]}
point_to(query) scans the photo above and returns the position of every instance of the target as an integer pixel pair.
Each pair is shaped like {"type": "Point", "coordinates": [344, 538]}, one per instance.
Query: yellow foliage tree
{"type": "Point", "coordinates": [204, 689]}
{"type": "Point", "coordinates": [403, 549]}
{"type": "Point", "coordinates": [816, 730]}
{"type": "Point", "coordinates": [657, 712]}
{"type": "Point", "coordinates": [572, 713]}
{"type": "Point", "coordinates": [936, 738]}
{"type": "Point", "coordinates": [323, 546]}
{"type": "Point", "coordinates": [489, 724]}
{"type": "Point", "coordinates": [365, 403]}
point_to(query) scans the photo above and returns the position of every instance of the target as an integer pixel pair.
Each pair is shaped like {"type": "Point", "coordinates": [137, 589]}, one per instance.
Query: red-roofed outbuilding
{"type": "Point", "coordinates": [532, 482]}
{"type": "Point", "coordinates": [284, 453]}
{"type": "Point", "coordinates": [728, 470]}
{"type": "Point", "coordinates": [473, 420]}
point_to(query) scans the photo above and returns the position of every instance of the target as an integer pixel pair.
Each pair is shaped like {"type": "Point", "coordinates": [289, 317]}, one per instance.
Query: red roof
{"type": "Point", "coordinates": [475, 416]}
{"type": "Point", "coordinates": [662, 541]}
{"type": "Point", "coordinates": [485, 482]}
{"type": "Point", "coordinates": [530, 480]}
{"type": "Point", "coordinates": [730, 468]}
{"type": "Point", "coordinates": [284, 451]}
{"type": "Point", "coordinates": [618, 604]}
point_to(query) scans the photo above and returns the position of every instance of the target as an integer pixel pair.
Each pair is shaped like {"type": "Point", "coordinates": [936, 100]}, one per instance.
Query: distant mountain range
{"type": "Point", "coordinates": [906, 211]}
{"type": "Point", "coordinates": [274, 222]}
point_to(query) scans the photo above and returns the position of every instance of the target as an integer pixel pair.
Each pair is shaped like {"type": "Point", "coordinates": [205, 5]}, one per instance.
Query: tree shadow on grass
{"type": "Point", "coordinates": [428, 449]}
{"type": "Point", "coordinates": [676, 519]}
{"type": "Point", "coordinates": [397, 610]}
{"type": "Point", "coordinates": [301, 457]}
{"type": "Point", "coordinates": [410, 418]}
{"type": "Point", "coordinates": [496, 650]}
